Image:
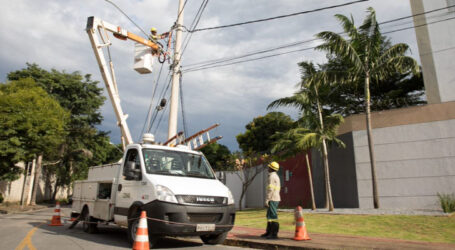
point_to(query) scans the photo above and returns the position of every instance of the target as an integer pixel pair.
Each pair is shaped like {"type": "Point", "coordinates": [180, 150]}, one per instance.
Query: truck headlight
{"type": "Point", "coordinates": [165, 194]}
{"type": "Point", "coordinates": [230, 198]}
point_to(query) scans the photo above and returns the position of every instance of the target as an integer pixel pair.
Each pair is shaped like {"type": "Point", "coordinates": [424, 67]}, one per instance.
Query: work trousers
{"type": "Point", "coordinates": [272, 211]}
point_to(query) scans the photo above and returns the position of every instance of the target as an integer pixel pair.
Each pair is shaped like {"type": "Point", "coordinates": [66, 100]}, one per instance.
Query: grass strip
{"type": "Point", "coordinates": [405, 227]}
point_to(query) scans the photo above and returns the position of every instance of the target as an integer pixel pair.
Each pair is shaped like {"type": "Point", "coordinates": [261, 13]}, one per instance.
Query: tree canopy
{"type": "Point", "coordinates": [84, 145]}
{"type": "Point", "coordinates": [218, 155]}
{"type": "Point", "coordinates": [258, 137]}
{"type": "Point", "coordinates": [31, 123]}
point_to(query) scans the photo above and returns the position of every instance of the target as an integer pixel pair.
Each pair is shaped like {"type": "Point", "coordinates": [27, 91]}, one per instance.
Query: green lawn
{"type": "Point", "coordinates": [420, 228]}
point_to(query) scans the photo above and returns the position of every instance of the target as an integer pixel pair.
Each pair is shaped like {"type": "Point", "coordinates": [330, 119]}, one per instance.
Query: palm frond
{"type": "Point", "coordinates": [399, 49]}
{"type": "Point", "coordinates": [337, 45]}
{"type": "Point", "coordinates": [298, 100]}
{"type": "Point", "coordinates": [348, 25]}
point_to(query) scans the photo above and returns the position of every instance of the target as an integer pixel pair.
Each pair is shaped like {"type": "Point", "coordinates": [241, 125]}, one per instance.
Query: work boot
{"type": "Point", "coordinates": [274, 228]}
{"type": "Point", "coordinates": [267, 231]}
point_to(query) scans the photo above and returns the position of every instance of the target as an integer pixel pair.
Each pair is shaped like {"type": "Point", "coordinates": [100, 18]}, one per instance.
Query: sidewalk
{"type": "Point", "coordinates": [243, 236]}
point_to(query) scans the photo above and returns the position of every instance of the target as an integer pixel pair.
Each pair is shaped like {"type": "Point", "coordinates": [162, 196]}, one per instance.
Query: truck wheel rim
{"type": "Point", "coordinates": [134, 229]}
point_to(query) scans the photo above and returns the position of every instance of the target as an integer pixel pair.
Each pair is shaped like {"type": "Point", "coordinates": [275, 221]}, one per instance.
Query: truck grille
{"type": "Point", "coordinates": [204, 218]}
{"type": "Point", "coordinates": [202, 200]}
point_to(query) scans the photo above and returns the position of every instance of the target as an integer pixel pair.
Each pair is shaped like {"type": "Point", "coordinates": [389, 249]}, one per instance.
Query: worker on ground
{"type": "Point", "coordinates": [154, 37]}
{"type": "Point", "coordinates": [271, 202]}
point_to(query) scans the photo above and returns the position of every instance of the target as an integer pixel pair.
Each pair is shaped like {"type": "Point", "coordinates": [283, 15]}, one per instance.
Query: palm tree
{"type": "Point", "coordinates": [315, 127]}
{"type": "Point", "coordinates": [368, 62]}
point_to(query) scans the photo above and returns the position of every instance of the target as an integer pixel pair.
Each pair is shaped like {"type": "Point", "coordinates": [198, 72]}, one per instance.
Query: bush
{"type": "Point", "coordinates": [1, 198]}
{"type": "Point", "coordinates": [447, 202]}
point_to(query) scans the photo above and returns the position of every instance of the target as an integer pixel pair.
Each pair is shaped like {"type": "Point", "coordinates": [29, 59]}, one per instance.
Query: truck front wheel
{"type": "Point", "coordinates": [133, 223]}
{"type": "Point", "coordinates": [214, 239]}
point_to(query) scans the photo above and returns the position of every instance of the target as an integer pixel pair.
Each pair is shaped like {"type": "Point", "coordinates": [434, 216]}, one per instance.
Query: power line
{"type": "Point", "coordinates": [248, 60]}
{"type": "Point", "coordinates": [413, 27]}
{"type": "Point", "coordinates": [419, 14]}
{"type": "Point", "coordinates": [213, 63]}
{"type": "Point", "coordinates": [118, 8]}
{"type": "Point", "coordinates": [279, 17]}
{"type": "Point", "coordinates": [194, 24]}
{"type": "Point", "coordinates": [221, 60]}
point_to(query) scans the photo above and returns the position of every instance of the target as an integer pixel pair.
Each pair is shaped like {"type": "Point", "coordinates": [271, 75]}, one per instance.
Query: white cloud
{"type": "Point", "coordinates": [52, 34]}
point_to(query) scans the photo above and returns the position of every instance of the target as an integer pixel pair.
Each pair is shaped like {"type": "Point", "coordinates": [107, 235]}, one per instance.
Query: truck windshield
{"type": "Point", "coordinates": [166, 162]}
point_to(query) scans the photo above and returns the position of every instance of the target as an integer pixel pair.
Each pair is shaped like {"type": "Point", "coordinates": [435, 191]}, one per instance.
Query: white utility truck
{"type": "Point", "coordinates": [174, 184]}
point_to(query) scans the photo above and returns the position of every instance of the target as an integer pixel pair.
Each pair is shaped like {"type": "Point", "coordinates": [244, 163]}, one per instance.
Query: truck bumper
{"type": "Point", "coordinates": [182, 220]}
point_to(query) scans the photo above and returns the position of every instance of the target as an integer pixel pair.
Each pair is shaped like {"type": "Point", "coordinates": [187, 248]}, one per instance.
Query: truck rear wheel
{"type": "Point", "coordinates": [214, 239]}
{"type": "Point", "coordinates": [88, 223]}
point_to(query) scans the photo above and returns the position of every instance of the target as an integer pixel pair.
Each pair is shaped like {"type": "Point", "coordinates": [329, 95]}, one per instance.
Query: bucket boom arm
{"type": "Point", "coordinates": [93, 25]}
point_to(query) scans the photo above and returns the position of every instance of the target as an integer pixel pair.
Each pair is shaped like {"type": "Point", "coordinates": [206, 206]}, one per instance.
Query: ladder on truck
{"type": "Point", "coordinates": [196, 141]}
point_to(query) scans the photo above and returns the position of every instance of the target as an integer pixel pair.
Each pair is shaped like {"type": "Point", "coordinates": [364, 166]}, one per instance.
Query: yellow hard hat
{"type": "Point", "coordinates": [153, 29]}
{"type": "Point", "coordinates": [274, 165]}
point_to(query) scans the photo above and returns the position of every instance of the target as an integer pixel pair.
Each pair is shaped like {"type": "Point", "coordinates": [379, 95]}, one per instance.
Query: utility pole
{"type": "Point", "coordinates": [172, 129]}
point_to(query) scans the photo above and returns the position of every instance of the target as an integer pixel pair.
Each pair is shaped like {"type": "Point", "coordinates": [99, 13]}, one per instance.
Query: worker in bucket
{"type": "Point", "coordinates": [154, 37]}
{"type": "Point", "coordinates": [272, 200]}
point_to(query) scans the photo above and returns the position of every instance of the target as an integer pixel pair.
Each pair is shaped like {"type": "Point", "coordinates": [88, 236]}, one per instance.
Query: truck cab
{"type": "Point", "coordinates": [174, 185]}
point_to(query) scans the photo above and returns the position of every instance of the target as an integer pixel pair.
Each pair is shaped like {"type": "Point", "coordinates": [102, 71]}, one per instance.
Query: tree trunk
{"type": "Point", "coordinates": [310, 180]}
{"type": "Point", "coordinates": [24, 184]}
{"type": "Point", "coordinates": [370, 142]}
{"type": "Point", "coordinates": [54, 193]}
{"type": "Point", "coordinates": [327, 175]}
{"type": "Point", "coordinates": [37, 179]}
{"type": "Point", "coordinates": [241, 197]}
{"type": "Point", "coordinates": [31, 183]}
{"type": "Point", "coordinates": [325, 156]}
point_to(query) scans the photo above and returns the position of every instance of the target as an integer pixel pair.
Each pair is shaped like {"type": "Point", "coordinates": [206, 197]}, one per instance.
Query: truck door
{"type": "Point", "coordinates": [129, 184]}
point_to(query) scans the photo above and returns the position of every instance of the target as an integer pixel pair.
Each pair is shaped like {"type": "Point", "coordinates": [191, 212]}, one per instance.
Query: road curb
{"type": "Point", "coordinates": [21, 212]}
{"type": "Point", "coordinates": [265, 245]}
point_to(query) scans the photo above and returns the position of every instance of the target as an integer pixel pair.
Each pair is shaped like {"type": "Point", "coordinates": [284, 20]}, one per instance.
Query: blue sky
{"type": "Point", "coordinates": [52, 34]}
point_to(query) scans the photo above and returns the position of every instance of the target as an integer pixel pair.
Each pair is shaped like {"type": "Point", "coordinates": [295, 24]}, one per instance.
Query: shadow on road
{"type": "Point", "coordinates": [112, 236]}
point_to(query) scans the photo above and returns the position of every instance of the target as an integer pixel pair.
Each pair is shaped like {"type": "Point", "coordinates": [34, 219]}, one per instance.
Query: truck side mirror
{"type": "Point", "coordinates": [131, 172]}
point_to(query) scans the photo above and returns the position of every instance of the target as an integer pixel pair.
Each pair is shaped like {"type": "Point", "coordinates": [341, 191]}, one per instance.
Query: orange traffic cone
{"type": "Point", "coordinates": [300, 228]}
{"type": "Point", "coordinates": [141, 241]}
{"type": "Point", "coordinates": [56, 220]}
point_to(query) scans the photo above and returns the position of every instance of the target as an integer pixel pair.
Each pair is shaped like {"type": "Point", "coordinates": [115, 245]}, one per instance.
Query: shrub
{"type": "Point", "coordinates": [447, 202]}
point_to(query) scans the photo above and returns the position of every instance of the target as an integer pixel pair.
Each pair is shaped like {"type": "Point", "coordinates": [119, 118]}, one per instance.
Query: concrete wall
{"type": "Point", "coordinates": [12, 191]}
{"type": "Point", "coordinates": [343, 177]}
{"type": "Point", "coordinates": [234, 183]}
{"type": "Point", "coordinates": [436, 43]}
{"type": "Point", "coordinates": [256, 191]}
{"type": "Point", "coordinates": [255, 194]}
{"type": "Point", "coordinates": [415, 156]}
{"type": "Point", "coordinates": [414, 163]}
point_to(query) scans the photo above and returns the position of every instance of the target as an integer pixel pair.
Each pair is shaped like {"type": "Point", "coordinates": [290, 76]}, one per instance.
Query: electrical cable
{"type": "Point", "coordinates": [159, 121]}
{"type": "Point", "coordinates": [118, 8]}
{"type": "Point", "coordinates": [248, 60]}
{"type": "Point", "coordinates": [278, 17]}
{"type": "Point", "coordinates": [194, 24]}
{"type": "Point", "coordinates": [221, 60]}
{"type": "Point", "coordinates": [150, 110]}
{"type": "Point", "coordinates": [162, 95]}
{"type": "Point", "coordinates": [215, 64]}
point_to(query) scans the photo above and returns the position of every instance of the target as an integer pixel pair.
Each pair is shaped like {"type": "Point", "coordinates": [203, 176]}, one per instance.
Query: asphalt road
{"type": "Point", "coordinates": [31, 231]}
